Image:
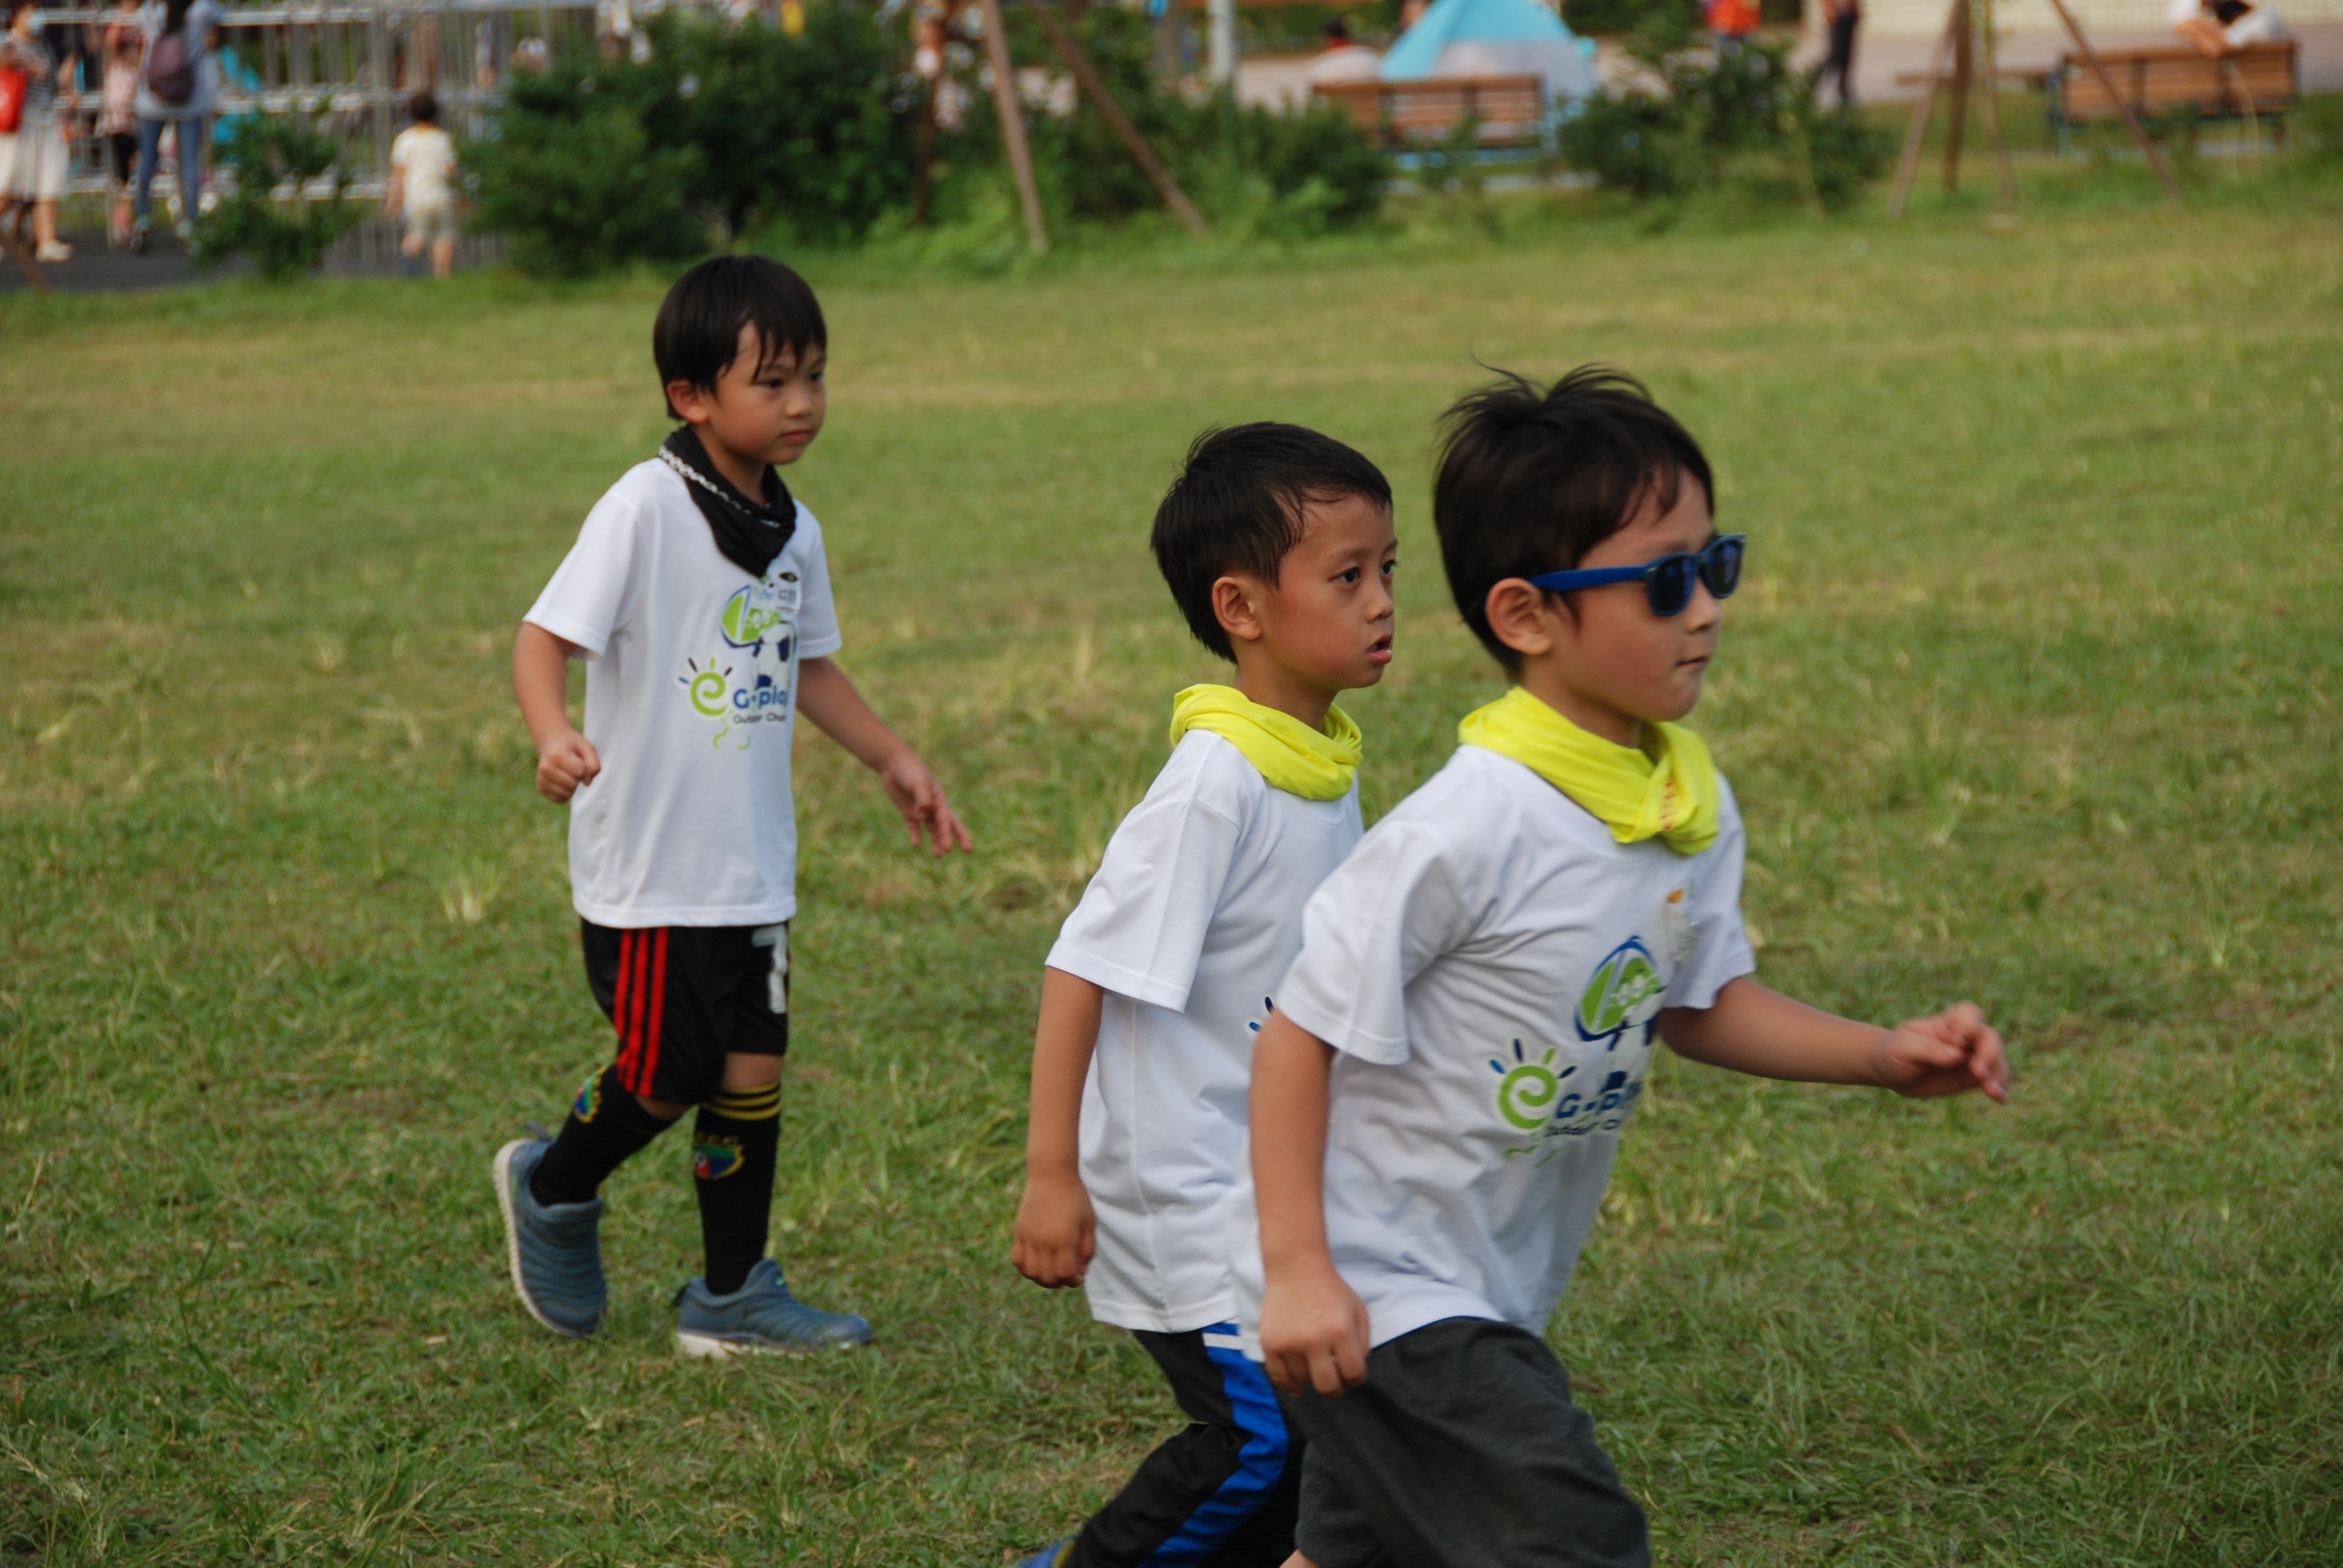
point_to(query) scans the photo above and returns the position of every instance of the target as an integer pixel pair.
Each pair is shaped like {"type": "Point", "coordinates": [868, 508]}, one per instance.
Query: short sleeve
{"type": "Point", "coordinates": [400, 146]}
{"type": "Point", "coordinates": [1374, 925]}
{"type": "Point", "coordinates": [591, 595]}
{"type": "Point", "coordinates": [1140, 929]}
{"type": "Point", "coordinates": [1721, 950]}
{"type": "Point", "coordinates": [818, 633]}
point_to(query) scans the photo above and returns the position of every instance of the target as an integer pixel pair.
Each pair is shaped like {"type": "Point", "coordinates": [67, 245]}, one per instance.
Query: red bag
{"type": "Point", "coordinates": [13, 84]}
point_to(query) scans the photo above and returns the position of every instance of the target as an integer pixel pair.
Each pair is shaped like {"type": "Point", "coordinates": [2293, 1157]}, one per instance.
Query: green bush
{"type": "Point", "coordinates": [2318, 128]}
{"type": "Point", "coordinates": [1678, 20]}
{"type": "Point", "coordinates": [1293, 174]}
{"type": "Point", "coordinates": [575, 184]}
{"type": "Point", "coordinates": [266, 152]}
{"type": "Point", "coordinates": [816, 130]}
{"type": "Point", "coordinates": [594, 165]}
{"type": "Point", "coordinates": [728, 130]}
{"type": "Point", "coordinates": [1748, 120]}
{"type": "Point", "coordinates": [1630, 142]}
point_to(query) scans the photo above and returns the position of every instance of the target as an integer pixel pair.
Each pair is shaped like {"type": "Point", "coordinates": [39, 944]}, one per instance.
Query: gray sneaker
{"type": "Point", "coordinates": [557, 1256]}
{"type": "Point", "coordinates": [762, 1315]}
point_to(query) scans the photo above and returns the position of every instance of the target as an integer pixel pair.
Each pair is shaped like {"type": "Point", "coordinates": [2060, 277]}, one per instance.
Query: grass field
{"type": "Point", "coordinates": [2031, 698]}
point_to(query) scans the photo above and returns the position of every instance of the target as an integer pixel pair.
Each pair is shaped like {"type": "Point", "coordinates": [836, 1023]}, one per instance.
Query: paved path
{"type": "Point", "coordinates": [94, 270]}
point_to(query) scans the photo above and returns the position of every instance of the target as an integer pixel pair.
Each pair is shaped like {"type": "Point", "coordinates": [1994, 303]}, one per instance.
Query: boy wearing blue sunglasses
{"type": "Point", "coordinates": [1437, 1101]}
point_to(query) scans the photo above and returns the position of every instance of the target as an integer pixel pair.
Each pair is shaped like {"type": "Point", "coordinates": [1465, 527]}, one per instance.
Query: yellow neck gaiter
{"type": "Point", "coordinates": [1315, 765]}
{"type": "Point", "coordinates": [1672, 796]}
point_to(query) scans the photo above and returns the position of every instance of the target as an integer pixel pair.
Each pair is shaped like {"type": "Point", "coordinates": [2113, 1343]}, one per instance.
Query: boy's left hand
{"type": "Point", "coordinates": [1955, 1051]}
{"type": "Point", "coordinates": [920, 799]}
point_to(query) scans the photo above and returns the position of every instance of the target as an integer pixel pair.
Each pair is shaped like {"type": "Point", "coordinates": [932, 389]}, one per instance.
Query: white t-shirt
{"type": "Point", "coordinates": [428, 155]}
{"type": "Point", "coordinates": [690, 698]}
{"type": "Point", "coordinates": [1490, 963]}
{"type": "Point", "coordinates": [2259, 25]}
{"type": "Point", "coordinates": [1195, 914]}
{"type": "Point", "coordinates": [1352, 63]}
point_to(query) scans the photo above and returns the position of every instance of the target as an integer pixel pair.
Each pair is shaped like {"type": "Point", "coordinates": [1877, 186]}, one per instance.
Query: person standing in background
{"type": "Point", "coordinates": [120, 49]}
{"type": "Point", "coordinates": [1730, 23]}
{"type": "Point", "coordinates": [32, 160]}
{"type": "Point", "coordinates": [422, 166]}
{"type": "Point", "coordinates": [178, 90]}
{"type": "Point", "coordinates": [1841, 17]}
{"type": "Point", "coordinates": [1343, 58]}
{"type": "Point", "coordinates": [2220, 28]}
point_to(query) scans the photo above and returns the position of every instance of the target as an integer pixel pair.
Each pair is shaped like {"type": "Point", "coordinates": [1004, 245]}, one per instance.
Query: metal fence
{"type": "Point", "coordinates": [348, 70]}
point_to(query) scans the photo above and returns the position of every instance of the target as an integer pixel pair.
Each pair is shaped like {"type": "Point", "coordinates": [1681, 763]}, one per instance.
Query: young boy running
{"type": "Point", "coordinates": [1437, 1102]}
{"type": "Point", "coordinates": [1278, 546]}
{"type": "Point", "coordinates": [699, 594]}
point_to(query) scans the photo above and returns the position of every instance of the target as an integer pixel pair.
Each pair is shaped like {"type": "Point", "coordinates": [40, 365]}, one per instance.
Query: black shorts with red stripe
{"type": "Point", "coordinates": [683, 997]}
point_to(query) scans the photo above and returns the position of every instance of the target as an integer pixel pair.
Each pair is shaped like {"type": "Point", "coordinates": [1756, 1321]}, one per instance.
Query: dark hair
{"type": "Point", "coordinates": [1531, 481]}
{"type": "Point", "coordinates": [424, 107]}
{"type": "Point", "coordinates": [698, 333]}
{"type": "Point", "coordinates": [1237, 505]}
{"type": "Point", "coordinates": [174, 14]}
{"type": "Point", "coordinates": [1339, 29]}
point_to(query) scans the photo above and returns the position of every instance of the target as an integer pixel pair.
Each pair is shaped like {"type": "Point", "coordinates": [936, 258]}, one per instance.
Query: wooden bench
{"type": "Point", "coordinates": [1508, 111]}
{"type": "Point", "coordinates": [2263, 79]}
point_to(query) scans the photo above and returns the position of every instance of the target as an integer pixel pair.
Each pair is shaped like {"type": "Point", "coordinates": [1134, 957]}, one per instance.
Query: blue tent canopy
{"type": "Point", "coordinates": [1474, 34]}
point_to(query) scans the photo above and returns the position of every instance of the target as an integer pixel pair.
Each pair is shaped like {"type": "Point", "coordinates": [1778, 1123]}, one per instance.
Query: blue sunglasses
{"type": "Point", "coordinates": [1667, 581]}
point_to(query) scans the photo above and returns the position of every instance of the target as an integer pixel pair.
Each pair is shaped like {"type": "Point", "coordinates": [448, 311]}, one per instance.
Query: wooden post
{"type": "Point", "coordinates": [1012, 125]}
{"type": "Point", "coordinates": [2123, 107]}
{"type": "Point", "coordinates": [1963, 52]}
{"type": "Point", "coordinates": [1141, 153]}
{"type": "Point", "coordinates": [1917, 133]}
{"type": "Point", "coordinates": [1991, 104]}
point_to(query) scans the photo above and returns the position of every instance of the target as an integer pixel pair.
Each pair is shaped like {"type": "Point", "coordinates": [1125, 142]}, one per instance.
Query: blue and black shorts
{"type": "Point", "coordinates": [1219, 1494]}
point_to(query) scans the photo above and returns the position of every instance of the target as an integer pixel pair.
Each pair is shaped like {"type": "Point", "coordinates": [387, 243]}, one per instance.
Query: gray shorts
{"type": "Point", "coordinates": [433, 222]}
{"type": "Point", "coordinates": [1462, 1450]}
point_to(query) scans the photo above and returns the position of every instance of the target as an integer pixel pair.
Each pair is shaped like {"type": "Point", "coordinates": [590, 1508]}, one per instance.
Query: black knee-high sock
{"type": "Point", "coordinates": [606, 1127]}
{"type": "Point", "coordinates": [734, 1145]}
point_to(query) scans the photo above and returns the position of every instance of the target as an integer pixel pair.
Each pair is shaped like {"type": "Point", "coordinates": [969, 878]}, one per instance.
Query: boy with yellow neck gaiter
{"type": "Point", "coordinates": [1437, 1102]}
{"type": "Point", "coordinates": [1277, 542]}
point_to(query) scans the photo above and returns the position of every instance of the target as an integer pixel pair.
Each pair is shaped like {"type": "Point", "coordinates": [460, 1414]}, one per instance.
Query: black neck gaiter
{"type": "Point", "coordinates": [750, 533]}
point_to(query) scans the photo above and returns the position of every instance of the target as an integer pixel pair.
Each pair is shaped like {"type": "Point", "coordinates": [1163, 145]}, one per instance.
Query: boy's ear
{"type": "Point", "coordinates": [1518, 616]}
{"type": "Point", "coordinates": [691, 404]}
{"type": "Point", "coordinates": [1233, 599]}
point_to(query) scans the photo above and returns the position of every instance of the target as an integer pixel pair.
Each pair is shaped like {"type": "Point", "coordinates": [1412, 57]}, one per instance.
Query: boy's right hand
{"type": "Point", "coordinates": [1057, 1233]}
{"type": "Point", "coordinates": [564, 763]}
{"type": "Point", "coordinates": [1313, 1332]}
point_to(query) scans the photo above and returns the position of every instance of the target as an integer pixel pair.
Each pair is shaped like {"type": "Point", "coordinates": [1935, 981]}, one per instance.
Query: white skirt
{"type": "Point", "coordinates": [33, 164]}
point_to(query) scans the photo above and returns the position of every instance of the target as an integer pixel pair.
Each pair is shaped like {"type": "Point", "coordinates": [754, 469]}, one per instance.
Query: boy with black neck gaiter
{"type": "Point", "coordinates": [699, 594]}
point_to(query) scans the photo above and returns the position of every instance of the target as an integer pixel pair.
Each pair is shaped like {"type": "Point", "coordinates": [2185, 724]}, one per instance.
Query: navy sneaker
{"type": "Point", "coordinates": [557, 1254]}
{"type": "Point", "coordinates": [762, 1315]}
{"type": "Point", "coordinates": [1050, 1556]}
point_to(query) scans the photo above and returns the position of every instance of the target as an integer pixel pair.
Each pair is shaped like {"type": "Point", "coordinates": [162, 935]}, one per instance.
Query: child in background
{"type": "Point", "coordinates": [699, 594]}
{"type": "Point", "coordinates": [1277, 543]}
{"type": "Point", "coordinates": [33, 160]}
{"type": "Point", "coordinates": [423, 188]}
{"type": "Point", "coordinates": [1437, 1102]}
{"type": "Point", "coordinates": [119, 114]}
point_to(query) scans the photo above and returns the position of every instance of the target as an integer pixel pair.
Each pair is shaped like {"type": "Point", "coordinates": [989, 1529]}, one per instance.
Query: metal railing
{"type": "Point", "coordinates": [348, 70]}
